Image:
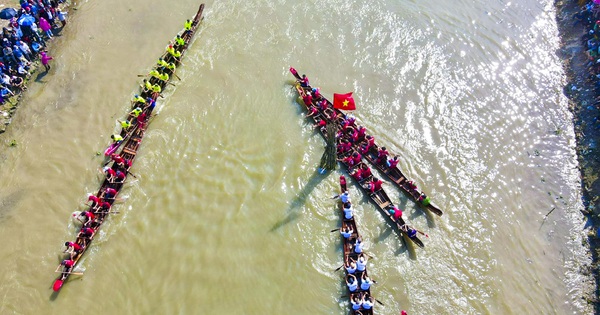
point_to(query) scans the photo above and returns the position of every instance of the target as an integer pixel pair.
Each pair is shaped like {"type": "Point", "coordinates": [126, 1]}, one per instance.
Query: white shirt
{"type": "Point", "coordinates": [358, 247]}
{"type": "Point", "coordinates": [348, 213]}
{"type": "Point", "coordinates": [356, 305]}
{"type": "Point", "coordinates": [367, 304]}
{"type": "Point", "coordinates": [366, 284]}
{"type": "Point", "coordinates": [345, 197]}
{"type": "Point", "coordinates": [351, 269]}
{"type": "Point", "coordinates": [352, 286]}
{"type": "Point", "coordinates": [361, 264]}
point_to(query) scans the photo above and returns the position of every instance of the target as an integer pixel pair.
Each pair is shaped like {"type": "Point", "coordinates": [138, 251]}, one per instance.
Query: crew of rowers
{"type": "Point", "coordinates": [355, 264]}
{"type": "Point", "coordinates": [99, 206]}
{"type": "Point", "coordinates": [350, 135]}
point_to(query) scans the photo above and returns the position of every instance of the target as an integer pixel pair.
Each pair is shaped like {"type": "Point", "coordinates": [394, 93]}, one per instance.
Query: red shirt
{"type": "Point", "coordinates": [87, 231]}
{"type": "Point", "coordinates": [118, 159]}
{"type": "Point", "coordinates": [366, 172]}
{"type": "Point", "coordinates": [141, 118]}
{"type": "Point", "coordinates": [94, 199]}
{"type": "Point", "coordinates": [105, 205]}
{"type": "Point", "coordinates": [75, 246]}
{"type": "Point", "coordinates": [397, 213]}
{"type": "Point", "coordinates": [377, 184]}
{"type": "Point", "coordinates": [110, 172]}
{"type": "Point", "coordinates": [393, 163]}
{"type": "Point", "coordinates": [110, 191]}
{"type": "Point", "coordinates": [307, 99]}
{"type": "Point", "coordinates": [120, 175]}
{"type": "Point", "coordinates": [68, 263]}
{"type": "Point", "coordinates": [90, 215]}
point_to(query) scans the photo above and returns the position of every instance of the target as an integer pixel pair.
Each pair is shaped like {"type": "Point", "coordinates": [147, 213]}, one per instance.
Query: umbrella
{"type": "Point", "coordinates": [8, 13]}
{"type": "Point", "coordinates": [26, 20]}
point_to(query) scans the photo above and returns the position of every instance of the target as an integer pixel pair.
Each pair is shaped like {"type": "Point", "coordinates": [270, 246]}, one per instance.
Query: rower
{"type": "Point", "coordinates": [125, 124]}
{"type": "Point", "coordinates": [104, 206]}
{"type": "Point", "coordinates": [119, 177]}
{"type": "Point", "coordinates": [356, 301]}
{"type": "Point", "coordinates": [361, 263]}
{"type": "Point", "coordinates": [382, 154]}
{"type": "Point", "coordinates": [351, 282]}
{"type": "Point", "coordinates": [94, 199]}
{"type": "Point", "coordinates": [367, 301]}
{"type": "Point", "coordinates": [156, 89]}
{"type": "Point", "coordinates": [358, 245]}
{"type": "Point", "coordinates": [116, 138]}
{"type": "Point", "coordinates": [117, 159]}
{"type": "Point", "coordinates": [147, 86]}
{"type": "Point", "coordinates": [136, 112]}
{"type": "Point", "coordinates": [344, 197]}
{"type": "Point", "coordinates": [410, 232]}
{"type": "Point", "coordinates": [412, 185]}
{"type": "Point", "coordinates": [88, 216]}
{"type": "Point", "coordinates": [350, 266]}
{"type": "Point", "coordinates": [138, 99]}
{"type": "Point", "coordinates": [392, 163]}
{"type": "Point", "coordinates": [162, 63]}
{"type": "Point", "coordinates": [171, 50]}
{"type": "Point", "coordinates": [348, 210]}
{"type": "Point", "coordinates": [73, 249]}
{"type": "Point", "coordinates": [67, 265]}
{"type": "Point", "coordinates": [312, 111]}
{"type": "Point", "coordinates": [179, 42]}
{"type": "Point", "coordinates": [304, 82]}
{"type": "Point", "coordinates": [346, 231]}
{"type": "Point", "coordinates": [366, 171]}
{"type": "Point", "coordinates": [86, 234]}
{"type": "Point", "coordinates": [375, 185]}
{"type": "Point", "coordinates": [154, 74]}
{"type": "Point", "coordinates": [110, 193]}
{"type": "Point", "coordinates": [187, 27]}
{"type": "Point", "coordinates": [163, 76]}
{"type": "Point", "coordinates": [365, 282]}
{"type": "Point", "coordinates": [141, 120]}
{"type": "Point", "coordinates": [424, 200]}
{"type": "Point", "coordinates": [171, 66]}
{"type": "Point", "coordinates": [395, 212]}
{"type": "Point", "coordinates": [307, 98]}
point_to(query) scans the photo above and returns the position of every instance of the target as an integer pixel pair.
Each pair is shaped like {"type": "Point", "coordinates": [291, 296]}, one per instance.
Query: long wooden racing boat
{"type": "Point", "coordinates": [396, 176]}
{"type": "Point", "coordinates": [350, 255]}
{"type": "Point", "coordinates": [379, 197]}
{"type": "Point", "coordinates": [118, 171]}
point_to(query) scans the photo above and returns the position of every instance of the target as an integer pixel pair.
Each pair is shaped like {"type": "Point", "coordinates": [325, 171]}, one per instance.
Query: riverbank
{"type": "Point", "coordinates": [9, 107]}
{"type": "Point", "coordinates": [583, 104]}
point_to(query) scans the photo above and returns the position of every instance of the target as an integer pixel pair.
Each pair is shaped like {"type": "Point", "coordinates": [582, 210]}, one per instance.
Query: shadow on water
{"type": "Point", "coordinates": [299, 200]}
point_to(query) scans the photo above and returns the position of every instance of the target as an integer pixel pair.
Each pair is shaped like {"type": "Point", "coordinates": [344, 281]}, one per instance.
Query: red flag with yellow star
{"type": "Point", "coordinates": [343, 101]}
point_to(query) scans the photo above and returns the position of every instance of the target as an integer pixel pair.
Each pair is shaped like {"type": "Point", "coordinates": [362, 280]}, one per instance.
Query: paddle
{"type": "Point", "coordinates": [128, 172]}
{"type": "Point", "coordinates": [426, 235]}
{"type": "Point", "coordinates": [378, 301]}
{"type": "Point", "coordinates": [340, 267]}
{"type": "Point", "coordinates": [334, 230]}
{"type": "Point", "coordinates": [72, 273]}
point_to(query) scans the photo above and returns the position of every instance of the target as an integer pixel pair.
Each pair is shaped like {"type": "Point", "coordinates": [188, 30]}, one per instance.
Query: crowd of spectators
{"type": "Point", "coordinates": [24, 40]}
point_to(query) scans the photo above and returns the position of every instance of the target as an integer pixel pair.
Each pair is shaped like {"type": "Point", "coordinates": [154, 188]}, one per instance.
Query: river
{"type": "Point", "coordinates": [228, 215]}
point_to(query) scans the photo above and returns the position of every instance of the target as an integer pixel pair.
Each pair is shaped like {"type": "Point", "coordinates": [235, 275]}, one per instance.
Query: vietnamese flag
{"type": "Point", "coordinates": [343, 101]}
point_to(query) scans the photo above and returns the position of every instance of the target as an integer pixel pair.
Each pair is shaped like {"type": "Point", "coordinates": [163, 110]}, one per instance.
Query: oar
{"type": "Point", "coordinates": [71, 273]}
{"type": "Point", "coordinates": [340, 267]}
{"type": "Point", "coordinates": [134, 176]}
{"type": "Point", "coordinates": [378, 301]}
{"type": "Point", "coordinates": [334, 230]}
{"type": "Point", "coordinates": [426, 235]}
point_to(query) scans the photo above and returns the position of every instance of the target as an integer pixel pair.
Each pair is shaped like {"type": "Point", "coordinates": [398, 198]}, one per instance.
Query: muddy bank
{"type": "Point", "coordinates": [584, 104]}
